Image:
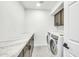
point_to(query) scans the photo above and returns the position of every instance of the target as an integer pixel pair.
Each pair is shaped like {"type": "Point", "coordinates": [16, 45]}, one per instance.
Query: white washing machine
{"type": "Point", "coordinates": [55, 44]}
{"type": "Point", "coordinates": [48, 39]}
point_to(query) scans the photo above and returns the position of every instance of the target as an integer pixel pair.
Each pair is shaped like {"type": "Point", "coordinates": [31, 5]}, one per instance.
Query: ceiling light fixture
{"type": "Point", "coordinates": [38, 4]}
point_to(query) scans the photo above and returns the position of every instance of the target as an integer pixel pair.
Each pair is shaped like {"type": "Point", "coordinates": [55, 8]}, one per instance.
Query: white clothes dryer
{"type": "Point", "coordinates": [56, 44]}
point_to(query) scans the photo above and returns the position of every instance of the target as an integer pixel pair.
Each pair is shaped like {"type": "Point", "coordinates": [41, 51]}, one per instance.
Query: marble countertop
{"type": "Point", "coordinates": [12, 48]}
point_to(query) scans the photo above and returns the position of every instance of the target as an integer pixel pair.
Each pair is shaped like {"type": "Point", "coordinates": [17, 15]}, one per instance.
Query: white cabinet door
{"type": "Point", "coordinates": [71, 31]}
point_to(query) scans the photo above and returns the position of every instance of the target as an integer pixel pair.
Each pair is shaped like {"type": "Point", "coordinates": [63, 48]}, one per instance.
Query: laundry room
{"type": "Point", "coordinates": [40, 20]}
{"type": "Point", "coordinates": [26, 24]}
{"type": "Point", "coordinates": [39, 29]}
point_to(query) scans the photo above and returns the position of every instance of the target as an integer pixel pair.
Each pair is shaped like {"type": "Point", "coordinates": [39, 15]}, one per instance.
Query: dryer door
{"type": "Point", "coordinates": [53, 46]}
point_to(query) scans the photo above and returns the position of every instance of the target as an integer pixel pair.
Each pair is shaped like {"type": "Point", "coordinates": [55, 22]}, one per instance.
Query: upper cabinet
{"type": "Point", "coordinates": [59, 18]}
{"type": "Point", "coordinates": [58, 14]}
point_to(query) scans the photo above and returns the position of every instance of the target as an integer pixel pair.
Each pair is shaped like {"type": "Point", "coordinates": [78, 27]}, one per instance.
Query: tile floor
{"type": "Point", "coordinates": [41, 51]}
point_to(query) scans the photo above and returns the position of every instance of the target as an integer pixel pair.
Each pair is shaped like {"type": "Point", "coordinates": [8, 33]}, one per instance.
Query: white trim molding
{"type": "Point", "coordinates": [57, 8]}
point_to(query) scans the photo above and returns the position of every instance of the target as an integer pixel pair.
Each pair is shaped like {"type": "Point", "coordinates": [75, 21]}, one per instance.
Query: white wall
{"type": "Point", "coordinates": [58, 29]}
{"type": "Point", "coordinates": [40, 22]}
{"type": "Point", "coordinates": [11, 20]}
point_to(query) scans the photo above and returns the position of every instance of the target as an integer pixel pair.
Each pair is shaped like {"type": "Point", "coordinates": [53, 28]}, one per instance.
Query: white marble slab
{"type": "Point", "coordinates": [12, 48]}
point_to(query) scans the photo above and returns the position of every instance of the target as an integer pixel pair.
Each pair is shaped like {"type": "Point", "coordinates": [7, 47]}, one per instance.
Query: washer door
{"type": "Point", "coordinates": [53, 46]}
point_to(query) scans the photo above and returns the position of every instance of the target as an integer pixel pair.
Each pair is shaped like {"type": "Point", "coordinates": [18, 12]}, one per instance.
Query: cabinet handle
{"type": "Point", "coordinates": [66, 45]}
{"type": "Point", "coordinates": [29, 47]}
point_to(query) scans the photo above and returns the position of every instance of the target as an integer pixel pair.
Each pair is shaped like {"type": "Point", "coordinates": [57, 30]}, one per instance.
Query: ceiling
{"type": "Point", "coordinates": [45, 5]}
